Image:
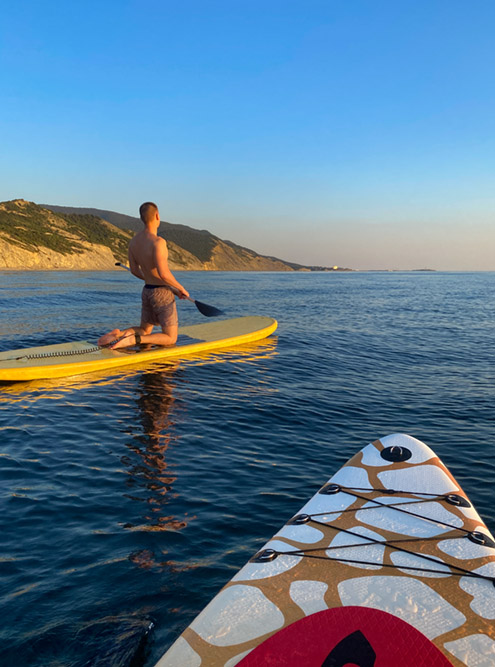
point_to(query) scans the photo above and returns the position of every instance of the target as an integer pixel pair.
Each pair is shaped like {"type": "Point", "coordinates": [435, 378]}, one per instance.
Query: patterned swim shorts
{"type": "Point", "coordinates": [158, 306]}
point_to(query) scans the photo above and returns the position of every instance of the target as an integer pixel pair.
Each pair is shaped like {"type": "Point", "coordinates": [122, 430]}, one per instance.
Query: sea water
{"type": "Point", "coordinates": [129, 498]}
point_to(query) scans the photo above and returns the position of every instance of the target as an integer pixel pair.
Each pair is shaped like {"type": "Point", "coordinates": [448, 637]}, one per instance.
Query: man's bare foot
{"type": "Point", "coordinates": [110, 337]}
{"type": "Point", "coordinates": [124, 341]}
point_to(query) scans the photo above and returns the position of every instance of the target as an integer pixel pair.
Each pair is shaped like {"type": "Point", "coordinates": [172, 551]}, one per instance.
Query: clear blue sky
{"type": "Point", "coordinates": [359, 133]}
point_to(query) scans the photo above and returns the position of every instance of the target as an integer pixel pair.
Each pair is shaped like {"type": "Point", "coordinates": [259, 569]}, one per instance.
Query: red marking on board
{"type": "Point", "coordinates": [347, 637]}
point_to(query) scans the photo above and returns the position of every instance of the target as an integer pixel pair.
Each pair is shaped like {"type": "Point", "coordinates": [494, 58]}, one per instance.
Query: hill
{"type": "Point", "coordinates": [35, 237]}
{"type": "Point", "coordinates": [212, 252]}
{"type": "Point", "coordinates": [32, 237]}
{"type": "Point", "coordinates": [45, 236]}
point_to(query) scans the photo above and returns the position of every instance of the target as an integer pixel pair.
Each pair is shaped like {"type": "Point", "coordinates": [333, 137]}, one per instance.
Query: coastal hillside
{"type": "Point", "coordinates": [212, 253]}
{"type": "Point", "coordinates": [32, 237]}
{"type": "Point", "coordinates": [37, 238]}
{"type": "Point", "coordinates": [41, 237]}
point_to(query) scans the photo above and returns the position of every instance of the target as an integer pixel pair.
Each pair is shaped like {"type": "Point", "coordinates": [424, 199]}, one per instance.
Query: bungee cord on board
{"type": "Point", "coordinates": [267, 555]}
{"type": "Point", "coordinates": [69, 353]}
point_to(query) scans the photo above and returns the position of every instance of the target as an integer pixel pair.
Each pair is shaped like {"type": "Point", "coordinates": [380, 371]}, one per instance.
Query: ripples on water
{"type": "Point", "coordinates": [133, 497]}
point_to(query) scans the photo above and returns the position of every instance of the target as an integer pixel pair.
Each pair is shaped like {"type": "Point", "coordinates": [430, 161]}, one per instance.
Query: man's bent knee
{"type": "Point", "coordinates": [171, 332]}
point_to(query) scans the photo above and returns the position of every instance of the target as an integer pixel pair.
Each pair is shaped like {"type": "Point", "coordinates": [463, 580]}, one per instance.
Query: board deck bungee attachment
{"type": "Point", "coordinates": [388, 565]}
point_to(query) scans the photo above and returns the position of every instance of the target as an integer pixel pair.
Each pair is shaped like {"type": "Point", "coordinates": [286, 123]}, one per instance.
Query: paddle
{"type": "Point", "coordinates": [204, 308]}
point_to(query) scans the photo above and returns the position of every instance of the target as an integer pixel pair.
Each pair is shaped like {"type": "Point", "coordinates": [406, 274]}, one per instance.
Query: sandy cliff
{"type": "Point", "coordinates": [34, 237]}
{"type": "Point", "coordinates": [93, 258]}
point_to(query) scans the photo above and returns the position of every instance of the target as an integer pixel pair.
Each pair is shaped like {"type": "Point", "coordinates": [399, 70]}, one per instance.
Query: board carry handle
{"type": "Point", "coordinates": [204, 308]}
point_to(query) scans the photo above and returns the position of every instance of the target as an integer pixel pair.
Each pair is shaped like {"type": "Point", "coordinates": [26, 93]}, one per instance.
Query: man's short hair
{"type": "Point", "coordinates": [147, 211]}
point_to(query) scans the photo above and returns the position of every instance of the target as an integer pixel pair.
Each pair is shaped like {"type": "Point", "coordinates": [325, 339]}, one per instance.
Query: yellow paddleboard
{"type": "Point", "coordinates": [53, 361]}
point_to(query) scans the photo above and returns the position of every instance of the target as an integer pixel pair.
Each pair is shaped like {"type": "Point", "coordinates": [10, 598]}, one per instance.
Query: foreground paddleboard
{"type": "Point", "coordinates": [388, 565]}
{"type": "Point", "coordinates": [53, 361]}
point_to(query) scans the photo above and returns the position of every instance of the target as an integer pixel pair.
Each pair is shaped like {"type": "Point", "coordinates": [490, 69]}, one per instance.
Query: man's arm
{"type": "Point", "coordinates": [161, 262]}
{"type": "Point", "coordinates": [134, 266]}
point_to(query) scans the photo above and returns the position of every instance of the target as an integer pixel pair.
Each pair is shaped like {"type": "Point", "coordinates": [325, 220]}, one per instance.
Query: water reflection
{"type": "Point", "coordinates": [150, 479]}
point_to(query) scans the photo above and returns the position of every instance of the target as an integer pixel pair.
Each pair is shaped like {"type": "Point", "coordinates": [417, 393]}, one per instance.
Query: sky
{"type": "Point", "coordinates": [357, 133]}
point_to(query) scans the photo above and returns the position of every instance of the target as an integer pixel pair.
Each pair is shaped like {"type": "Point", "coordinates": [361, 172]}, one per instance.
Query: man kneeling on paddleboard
{"type": "Point", "coordinates": [148, 260]}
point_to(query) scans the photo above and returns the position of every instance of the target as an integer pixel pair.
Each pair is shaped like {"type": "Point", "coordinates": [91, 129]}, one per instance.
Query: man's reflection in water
{"type": "Point", "coordinates": [150, 479]}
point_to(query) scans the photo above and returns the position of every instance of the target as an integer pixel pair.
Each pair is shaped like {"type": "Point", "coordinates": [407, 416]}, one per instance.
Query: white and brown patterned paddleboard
{"type": "Point", "coordinates": [388, 565]}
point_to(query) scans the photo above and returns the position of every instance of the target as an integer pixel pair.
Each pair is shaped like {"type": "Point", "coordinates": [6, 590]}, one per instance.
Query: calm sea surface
{"type": "Point", "coordinates": [132, 497]}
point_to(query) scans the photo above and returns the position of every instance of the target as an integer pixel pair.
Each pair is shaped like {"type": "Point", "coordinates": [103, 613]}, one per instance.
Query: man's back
{"type": "Point", "coordinates": [145, 248]}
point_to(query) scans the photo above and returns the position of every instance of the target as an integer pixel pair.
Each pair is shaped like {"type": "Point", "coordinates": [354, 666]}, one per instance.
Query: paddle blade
{"type": "Point", "coordinates": [206, 310]}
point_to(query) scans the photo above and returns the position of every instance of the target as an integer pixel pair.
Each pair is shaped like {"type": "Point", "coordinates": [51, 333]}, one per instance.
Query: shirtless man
{"type": "Point", "coordinates": [148, 260]}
